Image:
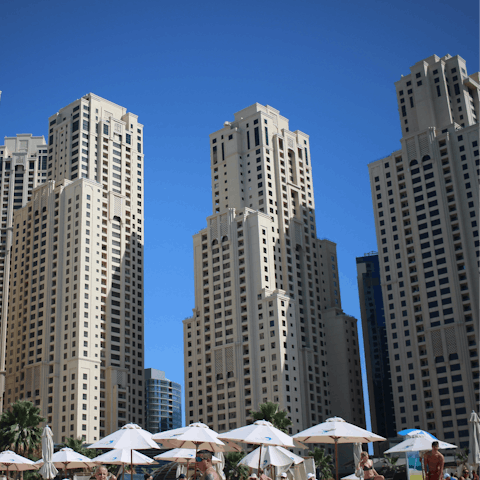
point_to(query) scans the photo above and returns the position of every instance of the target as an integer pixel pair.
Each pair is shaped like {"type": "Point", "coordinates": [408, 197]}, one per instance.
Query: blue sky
{"type": "Point", "coordinates": [185, 67]}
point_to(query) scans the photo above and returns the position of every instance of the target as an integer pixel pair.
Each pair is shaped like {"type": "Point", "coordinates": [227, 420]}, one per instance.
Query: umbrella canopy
{"type": "Point", "coordinates": [418, 443]}
{"type": "Point", "coordinates": [66, 458]}
{"type": "Point", "coordinates": [196, 435]}
{"type": "Point", "coordinates": [269, 455]}
{"type": "Point", "coordinates": [259, 433]}
{"type": "Point", "coordinates": [336, 430]}
{"type": "Point", "coordinates": [11, 461]}
{"type": "Point", "coordinates": [48, 469]}
{"type": "Point", "coordinates": [415, 431]}
{"type": "Point", "coordinates": [474, 440]}
{"type": "Point", "coordinates": [123, 456]}
{"type": "Point", "coordinates": [130, 436]}
{"type": "Point", "coordinates": [181, 455]}
{"type": "Point", "coordinates": [295, 458]}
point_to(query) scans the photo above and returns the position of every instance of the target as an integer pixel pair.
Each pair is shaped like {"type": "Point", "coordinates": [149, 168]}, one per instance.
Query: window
{"type": "Point", "coordinates": [105, 129]}
{"type": "Point", "coordinates": [257, 136]}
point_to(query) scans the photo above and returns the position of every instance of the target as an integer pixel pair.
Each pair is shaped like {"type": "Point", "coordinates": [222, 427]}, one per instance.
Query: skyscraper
{"type": "Point", "coordinates": [268, 323]}
{"type": "Point", "coordinates": [79, 289]}
{"type": "Point", "coordinates": [425, 199]}
{"type": "Point", "coordinates": [23, 161]}
{"type": "Point", "coordinates": [163, 403]}
{"type": "Point", "coordinates": [375, 342]}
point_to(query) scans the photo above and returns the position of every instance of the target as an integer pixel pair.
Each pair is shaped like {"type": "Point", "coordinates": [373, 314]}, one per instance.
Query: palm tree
{"type": "Point", "coordinates": [270, 412]}
{"type": "Point", "coordinates": [19, 428]}
{"type": "Point", "coordinates": [232, 470]}
{"type": "Point", "coordinates": [323, 462]}
{"type": "Point", "coordinates": [392, 466]}
{"type": "Point", "coordinates": [77, 445]}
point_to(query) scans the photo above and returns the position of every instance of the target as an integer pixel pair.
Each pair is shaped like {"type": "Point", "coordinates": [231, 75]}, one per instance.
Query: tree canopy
{"type": "Point", "coordinates": [323, 462]}
{"type": "Point", "coordinates": [271, 413]}
{"type": "Point", "coordinates": [20, 428]}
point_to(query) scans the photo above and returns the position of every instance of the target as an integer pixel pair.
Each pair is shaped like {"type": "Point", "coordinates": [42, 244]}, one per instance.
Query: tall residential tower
{"type": "Point", "coordinates": [23, 162]}
{"type": "Point", "coordinates": [426, 206]}
{"type": "Point", "coordinates": [268, 323]}
{"type": "Point", "coordinates": [77, 282]}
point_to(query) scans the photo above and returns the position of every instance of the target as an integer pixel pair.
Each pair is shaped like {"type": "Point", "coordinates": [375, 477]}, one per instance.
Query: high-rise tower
{"type": "Point", "coordinates": [267, 322]}
{"type": "Point", "coordinates": [90, 216]}
{"type": "Point", "coordinates": [23, 161]}
{"type": "Point", "coordinates": [425, 199]}
{"type": "Point", "coordinates": [375, 342]}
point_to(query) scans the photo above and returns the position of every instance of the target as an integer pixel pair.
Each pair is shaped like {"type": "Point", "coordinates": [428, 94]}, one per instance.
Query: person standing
{"type": "Point", "coordinates": [434, 462]}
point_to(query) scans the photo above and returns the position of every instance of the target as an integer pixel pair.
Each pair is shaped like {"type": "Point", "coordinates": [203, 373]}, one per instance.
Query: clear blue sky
{"type": "Point", "coordinates": [185, 67]}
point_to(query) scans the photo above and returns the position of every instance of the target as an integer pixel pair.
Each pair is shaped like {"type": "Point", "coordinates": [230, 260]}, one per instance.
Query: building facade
{"type": "Point", "coordinates": [375, 343]}
{"type": "Point", "coordinates": [23, 161]}
{"type": "Point", "coordinates": [91, 248]}
{"type": "Point", "coordinates": [268, 323]}
{"type": "Point", "coordinates": [163, 402]}
{"type": "Point", "coordinates": [425, 199]}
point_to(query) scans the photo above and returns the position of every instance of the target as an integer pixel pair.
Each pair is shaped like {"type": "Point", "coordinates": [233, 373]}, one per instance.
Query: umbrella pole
{"type": "Point", "coordinates": [336, 458]}
{"type": "Point", "coordinates": [65, 469]}
{"type": "Point", "coordinates": [131, 465]}
{"type": "Point", "coordinates": [196, 453]}
{"type": "Point", "coordinates": [260, 459]}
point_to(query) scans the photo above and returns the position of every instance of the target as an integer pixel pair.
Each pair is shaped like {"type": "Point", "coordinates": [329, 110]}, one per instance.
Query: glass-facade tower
{"type": "Point", "coordinates": [163, 402]}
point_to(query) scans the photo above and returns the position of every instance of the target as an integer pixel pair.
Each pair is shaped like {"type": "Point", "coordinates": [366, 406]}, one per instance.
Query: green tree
{"type": "Point", "coordinates": [391, 466]}
{"type": "Point", "coordinates": [20, 428]}
{"type": "Point", "coordinates": [323, 462]}
{"type": "Point", "coordinates": [462, 457]}
{"type": "Point", "coordinates": [270, 412]}
{"type": "Point", "coordinates": [232, 470]}
{"type": "Point", "coordinates": [77, 445]}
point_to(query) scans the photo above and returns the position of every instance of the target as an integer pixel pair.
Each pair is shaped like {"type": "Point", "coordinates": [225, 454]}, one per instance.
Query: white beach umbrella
{"type": "Point", "coordinates": [181, 455]}
{"type": "Point", "coordinates": [11, 461]}
{"type": "Point", "coordinates": [260, 433]}
{"type": "Point", "coordinates": [129, 437]}
{"type": "Point", "coordinates": [357, 455]}
{"type": "Point", "coordinates": [47, 470]}
{"type": "Point", "coordinates": [336, 430]}
{"type": "Point", "coordinates": [269, 455]}
{"type": "Point", "coordinates": [295, 458]}
{"type": "Point", "coordinates": [197, 436]}
{"type": "Point", "coordinates": [123, 456]}
{"type": "Point", "coordinates": [68, 459]}
{"type": "Point", "coordinates": [474, 441]}
{"type": "Point", "coordinates": [418, 443]}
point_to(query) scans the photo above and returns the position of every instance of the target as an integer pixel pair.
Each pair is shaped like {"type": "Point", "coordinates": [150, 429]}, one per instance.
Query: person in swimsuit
{"type": "Point", "coordinates": [204, 464]}
{"type": "Point", "coordinates": [433, 462]}
{"type": "Point", "coordinates": [366, 464]}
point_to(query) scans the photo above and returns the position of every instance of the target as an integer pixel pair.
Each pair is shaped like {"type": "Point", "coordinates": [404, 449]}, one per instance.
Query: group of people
{"type": "Point", "coordinates": [433, 464]}
{"type": "Point", "coordinates": [283, 475]}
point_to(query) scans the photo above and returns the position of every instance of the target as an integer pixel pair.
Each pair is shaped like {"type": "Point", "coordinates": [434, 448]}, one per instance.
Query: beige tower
{"type": "Point", "coordinates": [426, 207]}
{"type": "Point", "coordinates": [23, 161]}
{"type": "Point", "coordinates": [91, 382]}
{"type": "Point", "coordinates": [267, 322]}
